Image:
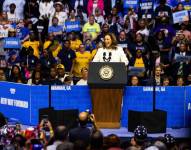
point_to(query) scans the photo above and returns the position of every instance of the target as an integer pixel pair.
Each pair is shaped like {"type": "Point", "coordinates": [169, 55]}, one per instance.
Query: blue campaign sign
{"type": "Point", "coordinates": [71, 97]}
{"type": "Point", "coordinates": [72, 26]}
{"type": "Point", "coordinates": [130, 4]}
{"type": "Point", "coordinates": [39, 99]}
{"type": "Point", "coordinates": [15, 101]}
{"type": "Point", "coordinates": [135, 98]}
{"type": "Point", "coordinates": [12, 42]}
{"type": "Point", "coordinates": [179, 16]}
{"type": "Point", "coordinates": [188, 107]}
{"type": "Point", "coordinates": [171, 99]}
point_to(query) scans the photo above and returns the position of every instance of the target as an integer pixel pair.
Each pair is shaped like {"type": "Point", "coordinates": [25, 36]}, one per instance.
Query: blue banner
{"type": "Point", "coordinates": [12, 42]}
{"type": "Point", "coordinates": [187, 107]}
{"type": "Point", "coordinates": [72, 26]}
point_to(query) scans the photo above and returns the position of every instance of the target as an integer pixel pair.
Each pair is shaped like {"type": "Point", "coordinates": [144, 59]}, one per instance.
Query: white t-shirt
{"type": "Point", "coordinates": [82, 82]}
{"type": "Point", "coordinates": [117, 55]}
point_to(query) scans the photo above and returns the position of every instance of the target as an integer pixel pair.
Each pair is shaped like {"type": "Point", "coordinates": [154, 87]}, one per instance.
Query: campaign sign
{"type": "Point", "coordinates": [180, 16]}
{"type": "Point", "coordinates": [12, 43]}
{"type": "Point", "coordinates": [130, 4]}
{"type": "Point", "coordinates": [15, 101]}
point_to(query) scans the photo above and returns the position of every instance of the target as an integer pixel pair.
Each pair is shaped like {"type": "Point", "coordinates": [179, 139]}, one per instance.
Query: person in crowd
{"type": "Point", "coordinates": [166, 81]}
{"type": "Point", "coordinates": [75, 42]}
{"type": "Point", "coordinates": [65, 146]}
{"type": "Point", "coordinates": [92, 27]}
{"type": "Point", "coordinates": [32, 44]}
{"type": "Point", "coordinates": [83, 58]}
{"type": "Point", "coordinates": [60, 136]}
{"type": "Point", "coordinates": [67, 56]}
{"type": "Point", "coordinates": [96, 140]}
{"type": "Point", "coordinates": [2, 75]}
{"type": "Point", "coordinates": [11, 14]}
{"type": "Point", "coordinates": [113, 142]}
{"type": "Point", "coordinates": [82, 132]}
{"type": "Point", "coordinates": [157, 79]}
{"type": "Point", "coordinates": [89, 43]}
{"type": "Point", "coordinates": [16, 74]}
{"type": "Point", "coordinates": [84, 79]}
{"type": "Point", "coordinates": [31, 10]}
{"type": "Point", "coordinates": [143, 28]}
{"type": "Point", "coordinates": [53, 79]}
{"type": "Point", "coordinates": [55, 29]}
{"type": "Point", "coordinates": [134, 81]}
{"type": "Point", "coordinates": [110, 51]}
{"type": "Point", "coordinates": [59, 13]}
{"type": "Point", "coordinates": [140, 137]}
{"type": "Point", "coordinates": [22, 31]}
{"type": "Point", "coordinates": [104, 31]}
{"type": "Point", "coordinates": [72, 23]}
{"type": "Point", "coordinates": [180, 81]}
{"type": "Point", "coordinates": [61, 73]}
{"type": "Point", "coordinates": [81, 15]}
{"type": "Point", "coordinates": [93, 4]}
{"type": "Point", "coordinates": [99, 17]}
{"type": "Point", "coordinates": [19, 9]}
{"type": "Point", "coordinates": [13, 59]}
{"type": "Point", "coordinates": [36, 78]}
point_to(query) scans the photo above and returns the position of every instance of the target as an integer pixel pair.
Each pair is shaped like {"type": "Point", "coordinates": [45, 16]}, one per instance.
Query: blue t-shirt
{"type": "Point", "coordinates": [55, 29]}
{"type": "Point", "coordinates": [22, 32]}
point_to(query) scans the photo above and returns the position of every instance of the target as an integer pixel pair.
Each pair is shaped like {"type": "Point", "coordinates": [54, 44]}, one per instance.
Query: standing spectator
{"type": "Point", "coordinates": [104, 31]}
{"type": "Point", "coordinates": [143, 28]}
{"type": "Point", "coordinates": [67, 56]}
{"type": "Point", "coordinates": [83, 58]}
{"type": "Point", "coordinates": [93, 4]}
{"type": "Point", "coordinates": [19, 7]}
{"type": "Point", "coordinates": [74, 41]}
{"type": "Point", "coordinates": [22, 31]}
{"type": "Point", "coordinates": [99, 17]}
{"type": "Point", "coordinates": [59, 13]}
{"type": "Point", "coordinates": [72, 23]}
{"type": "Point", "coordinates": [31, 10]}
{"type": "Point", "coordinates": [92, 27]}
{"type": "Point", "coordinates": [11, 14]}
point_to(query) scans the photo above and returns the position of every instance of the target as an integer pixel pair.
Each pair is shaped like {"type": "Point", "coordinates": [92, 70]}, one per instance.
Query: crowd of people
{"type": "Point", "coordinates": [53, 42]}
{"type": "Point", "coordinates": [86, 136]}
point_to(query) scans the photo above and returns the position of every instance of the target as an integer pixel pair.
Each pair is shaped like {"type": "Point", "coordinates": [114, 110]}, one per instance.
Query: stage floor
{"type": "Point", "coordinates": [123, 132]}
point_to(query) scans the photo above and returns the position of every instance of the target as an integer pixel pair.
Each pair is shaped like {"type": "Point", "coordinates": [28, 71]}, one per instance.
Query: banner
{"type": "Point", "coordinates": [187, 107]}
{"type": "Point", "coordinates": [179, 16]}
{"type": "Point", "coordinates": [130, 4]}
{"type": "Point", "coordinates": [12, 42]}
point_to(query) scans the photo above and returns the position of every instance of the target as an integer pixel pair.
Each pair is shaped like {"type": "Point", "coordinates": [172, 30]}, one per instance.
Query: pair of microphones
{"type": "Point", "coordinates": [107, 59]}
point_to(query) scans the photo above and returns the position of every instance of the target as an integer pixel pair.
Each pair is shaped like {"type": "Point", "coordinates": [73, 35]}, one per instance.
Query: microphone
{"type": "Point", "coordinates": [107, 59]}
{"type": "Point", "coordinates": [104, 54]}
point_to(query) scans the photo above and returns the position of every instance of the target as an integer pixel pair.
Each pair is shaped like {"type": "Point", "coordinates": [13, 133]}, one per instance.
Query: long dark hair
{"type": "Point", "coordinates": [113, 39]}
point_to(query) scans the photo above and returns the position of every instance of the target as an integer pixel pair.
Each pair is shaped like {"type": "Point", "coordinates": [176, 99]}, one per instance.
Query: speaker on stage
{"type": "Point", "coordinates": [2, 120]}
{"type": "Point", "coordinates": [155, 121]}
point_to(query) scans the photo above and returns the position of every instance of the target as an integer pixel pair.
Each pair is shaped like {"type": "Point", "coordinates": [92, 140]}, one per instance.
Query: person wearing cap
{"type": "Point", "coordinates": [61, 73]}
{"type": "Point", "coordinates": [59, 13]}
{"type": "Point", "coordinates": [140, 137]}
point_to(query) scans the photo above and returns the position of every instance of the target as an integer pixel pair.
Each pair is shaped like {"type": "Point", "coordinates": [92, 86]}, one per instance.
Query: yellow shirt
{"type": "Point", "coordinates": [34, 45]}
{"type": "Point", "coordinates": [94, 53]}
{"type": "Point", "coordinates": [82, 60]}
{"type": "Point", "coordinates": [54, 49]}
{"type": "Point", "coordinates": [74, 45]}
{"type": "Point", "coordinates": [93, 29]}
{"type": "Point", "coordinates": [139, 62]}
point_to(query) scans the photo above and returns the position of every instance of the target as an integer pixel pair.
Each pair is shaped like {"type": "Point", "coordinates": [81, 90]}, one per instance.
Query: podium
{"type": "Point", "coordinates": [107, 81]}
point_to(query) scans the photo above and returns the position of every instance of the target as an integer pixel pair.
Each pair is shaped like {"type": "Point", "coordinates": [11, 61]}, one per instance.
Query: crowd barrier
{"type": "Point", "coordinates": [22, 102]}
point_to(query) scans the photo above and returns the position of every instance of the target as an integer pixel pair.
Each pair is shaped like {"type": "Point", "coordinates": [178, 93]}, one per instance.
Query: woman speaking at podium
{"type": "Point", "coordinates": [110, 51]}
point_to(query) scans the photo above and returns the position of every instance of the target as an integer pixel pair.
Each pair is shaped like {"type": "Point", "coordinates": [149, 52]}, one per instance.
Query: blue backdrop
{"type": "Point", "coordinates": [22, 102]}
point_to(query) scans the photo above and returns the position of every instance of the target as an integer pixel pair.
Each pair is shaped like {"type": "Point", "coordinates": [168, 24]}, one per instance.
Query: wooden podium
{"type": "Point", "coordinates": [107, 81]}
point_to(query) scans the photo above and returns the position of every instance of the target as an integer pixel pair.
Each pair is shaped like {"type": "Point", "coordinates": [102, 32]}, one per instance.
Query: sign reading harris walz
{"type": "Point", "coordinates": [12, 43]}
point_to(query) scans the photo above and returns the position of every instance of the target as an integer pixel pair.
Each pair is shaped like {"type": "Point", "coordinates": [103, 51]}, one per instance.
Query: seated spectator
{"type": "Point", "coordinates": [99, 17]}
{"type": "Point", "coordinates": [134, 81]}
{"type": "Point", "coordinates": [84, 79]}
{"type": "Point", "coordinates": [36, 78]}
{"type": "Point", "coordinates": [65, 146]}
{"type": "Point", "coordinates": [16, 74]}
{"type": "Point", "coordinates": [60, 136]}
{"type": "Point", "coordinates": [67, 56]}
{"type": "Point", "coordinates": [68, 81]}
{"type": "Point", "coordinates": [61, 74]}
{"type": "Point", "coordinates": [166, 81]}
{"type": "Point", "coordinates": [158, 77]}
{"type": "Point", "coordinates": [180, 81]}
{"type": "Point", "coordinates": [53, 79]}
{"type": "Point", "coordinates": [2, 75]}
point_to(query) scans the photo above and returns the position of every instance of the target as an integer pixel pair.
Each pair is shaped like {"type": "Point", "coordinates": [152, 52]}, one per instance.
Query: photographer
{"type": "Point", "coordinates": [45, 130]}
{"type": "Point", "coordinates": [82, 132]}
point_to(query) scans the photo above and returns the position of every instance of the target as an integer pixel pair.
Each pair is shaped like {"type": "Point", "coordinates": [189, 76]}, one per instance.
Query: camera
{"type": "Point", "coordinates": [90, 119]}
